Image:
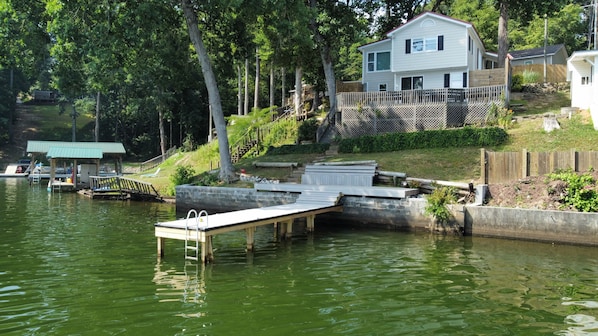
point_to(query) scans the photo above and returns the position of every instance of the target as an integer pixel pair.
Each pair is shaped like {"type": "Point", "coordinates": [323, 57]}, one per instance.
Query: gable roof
{"type": "Point", "coordinates": [536, 52]}
{"type": "Point", "coordinates": [430, 14]}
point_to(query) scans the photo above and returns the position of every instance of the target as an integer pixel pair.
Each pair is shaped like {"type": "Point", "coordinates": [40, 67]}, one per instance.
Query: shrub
{"type": "Point", "coordinates": [530, 77]}
{"type": "Point", "coordinates": [580, 191]}
{"type": "Point", "coordinates": [437, 204]}
{"type": "Point", "coordinates": [517, 83]}
{"type": "Point", "coordinates": [298, 149]}
{"type": "Point", "coordinates": [308, 129]}
{"type": "Point", "coordinates": [388, 142]}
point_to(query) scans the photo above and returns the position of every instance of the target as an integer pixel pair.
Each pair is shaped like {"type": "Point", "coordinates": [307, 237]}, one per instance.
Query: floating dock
{"type": "Point", "coordinates": [199, 229]}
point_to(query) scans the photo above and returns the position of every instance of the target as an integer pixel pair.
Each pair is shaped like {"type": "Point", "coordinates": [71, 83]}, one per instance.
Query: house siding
{"type": "Point", "coordinates": [372, 80]}
{"type": "Point", "coordinates": [455, 40]}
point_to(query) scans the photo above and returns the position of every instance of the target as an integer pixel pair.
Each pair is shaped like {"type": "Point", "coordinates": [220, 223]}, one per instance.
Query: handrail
{"type": "Point", "coordinates": [153, 162]}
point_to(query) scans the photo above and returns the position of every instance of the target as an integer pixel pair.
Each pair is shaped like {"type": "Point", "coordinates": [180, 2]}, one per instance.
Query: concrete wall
{"type": "Point", "coordinates": [408, 214]}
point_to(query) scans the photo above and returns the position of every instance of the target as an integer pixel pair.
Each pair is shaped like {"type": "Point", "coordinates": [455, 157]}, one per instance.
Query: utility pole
{"type": "Point", "coordinates": [545, 43]}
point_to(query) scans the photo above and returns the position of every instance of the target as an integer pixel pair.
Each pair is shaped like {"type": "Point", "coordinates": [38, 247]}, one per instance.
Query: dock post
{"type": "Point", "coordinates": [207, 254]}
{"type": "Point", "coordinates": [250, 237]}
{"type": "Point", "coordinates": [288, 232]}
{"type": "Point", "coordinates": [160, 247]}
{"type": "Point", "coordinates": [310, 223]}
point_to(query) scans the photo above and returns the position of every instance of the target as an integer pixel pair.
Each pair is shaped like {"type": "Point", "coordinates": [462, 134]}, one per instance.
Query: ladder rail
{"type": "Point", "coordinates": [192, 224]}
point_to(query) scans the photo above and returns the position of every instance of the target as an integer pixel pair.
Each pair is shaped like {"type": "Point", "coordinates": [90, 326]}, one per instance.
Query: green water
{"type": "Point", "coordinates": [73, 266]}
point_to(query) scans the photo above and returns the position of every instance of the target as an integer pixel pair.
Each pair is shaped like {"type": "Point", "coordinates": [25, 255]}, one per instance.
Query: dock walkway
{"type": "Point", "coordinates": [201, 229]}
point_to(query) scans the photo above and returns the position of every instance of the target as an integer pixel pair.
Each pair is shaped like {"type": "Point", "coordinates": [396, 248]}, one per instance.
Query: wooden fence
{"type": "Point", "coordinates": [555, 73]}
{"type": "Point", "coordinates": [504, 167]}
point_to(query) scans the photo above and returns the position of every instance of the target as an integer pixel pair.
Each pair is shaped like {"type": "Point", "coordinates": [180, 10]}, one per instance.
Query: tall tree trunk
{"type": "Point", "coordinates": [74, 122]}
{"type": "Point", "coordinates": [256, 92]}
{"type": "Point", "coordinates": [272, 84]}
{"type": "Point", "coordinates": [227, 172]}
{"type": "Point", "coordinates": [162, 132]}
{"type": "Point", "coordinates": [96, 130]}
{"type": "Point", "coordinates": [282, 89]}
{"type": "Point", "coordinates": [503, 38]}
{"type": "Point", "coordinates": [326, 56]}
{"type": "Point", "coordinates": [298, 89]}
{"type": "Point", "coordinates": [240, 90]}
{"type": "Point", "coordinates": [246, 104]}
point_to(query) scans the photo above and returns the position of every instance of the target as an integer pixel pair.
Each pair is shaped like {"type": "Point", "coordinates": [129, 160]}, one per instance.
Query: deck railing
{"type": "Point", "coordinates": [421, 97]}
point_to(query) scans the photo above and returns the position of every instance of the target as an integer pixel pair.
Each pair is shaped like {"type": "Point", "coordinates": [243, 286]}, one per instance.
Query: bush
{"type": "Point", "coordinates": [298, 149]}
{"type": "Point", "coordinates": [182, 175]}
{"type": "Point", "coordinates": [388, 142]}
{"type": "Point", "coordinates": [517, 83]}
{"type": "Point", "coordinates": [308, 130]}
{"type": "Point", "coordinates": [581, 190]}
{"type": "Point", "coordinates": [437, 204]}
{"type": "Point", "coordinates": [530, 77]}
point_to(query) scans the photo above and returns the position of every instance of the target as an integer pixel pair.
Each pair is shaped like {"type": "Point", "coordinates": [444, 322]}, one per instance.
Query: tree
{"type": "Point", "coordinates": [226, 167]}
{"type": "Point", "coordinates": [523, 11]}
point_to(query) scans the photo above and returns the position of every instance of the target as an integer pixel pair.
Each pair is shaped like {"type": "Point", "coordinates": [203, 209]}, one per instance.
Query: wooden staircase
{"type": "Point", "coordinates": [240, 150]}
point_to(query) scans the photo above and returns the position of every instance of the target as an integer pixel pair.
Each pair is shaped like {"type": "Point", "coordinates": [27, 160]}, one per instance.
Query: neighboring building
{"type": "Point", "coordinates": [581, 69]}
{"type": "Point", "coordinates": [555, 54]}
{"type": "Point", "coordinates": [431, 51]}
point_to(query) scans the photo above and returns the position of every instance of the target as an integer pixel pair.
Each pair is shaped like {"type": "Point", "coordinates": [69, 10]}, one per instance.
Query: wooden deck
{"type": "Point", "coordinates": [201, 229]}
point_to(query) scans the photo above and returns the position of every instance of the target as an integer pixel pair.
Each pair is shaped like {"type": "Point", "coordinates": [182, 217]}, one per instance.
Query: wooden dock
{"type": "Point", "coordinates": [199, 230]}
{"type": "Point", "coordinates": [120, 188]}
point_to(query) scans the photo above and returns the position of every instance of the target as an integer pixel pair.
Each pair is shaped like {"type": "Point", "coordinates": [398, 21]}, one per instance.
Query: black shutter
{"type": "Point", "coordinates": [440, 42]}
{"type": "Point", "coordinates": [447, 80]}
{"type": "Point", "coordinates": [408, 46]}
{"type": "Point", "coordinates": [465, 79]}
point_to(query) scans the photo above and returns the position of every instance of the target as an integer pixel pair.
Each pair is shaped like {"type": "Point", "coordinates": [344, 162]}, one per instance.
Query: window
{"type": "Point", "coordinates": [421, 44]}
{"type": "Point", "coordinates": [585, 80]}
{"type": "Point", "coordinates": [382, 87]}
{"type": "Point", "coordinates": [528, 62]}
{"type": "Point", "coordinates": [412, 83]}
{"type": "Point", "coordinates": [379, 61]}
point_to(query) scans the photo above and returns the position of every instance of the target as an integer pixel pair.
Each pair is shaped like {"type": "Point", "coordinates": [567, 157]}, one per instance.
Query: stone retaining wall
{"type": "Point", "coordinates": [408, 214]}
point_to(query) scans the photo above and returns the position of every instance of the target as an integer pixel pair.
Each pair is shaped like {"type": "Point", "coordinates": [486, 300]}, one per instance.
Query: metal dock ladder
{"type": "Point", "coordinates": [192, 233]}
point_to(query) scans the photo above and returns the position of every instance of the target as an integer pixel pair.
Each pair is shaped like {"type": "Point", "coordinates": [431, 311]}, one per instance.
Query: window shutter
{"type": "Point", "coordinates": [447, 80]}
{"type": "Point", "coordinates": [440, 42]}
{"type": "Point", "coordinates": [408, 46]}
{"type": "Point", "coordinates": [465, 79]}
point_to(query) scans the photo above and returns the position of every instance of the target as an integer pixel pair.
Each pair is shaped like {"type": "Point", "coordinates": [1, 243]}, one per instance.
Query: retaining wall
{"type": "Point", "coordinates": [408, 214]}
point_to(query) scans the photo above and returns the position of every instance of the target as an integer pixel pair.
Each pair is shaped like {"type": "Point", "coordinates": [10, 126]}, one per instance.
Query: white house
{"type": "Point", "coordinates": [431, 51]}
{"type": "Point", "coordinates": [581, 69]}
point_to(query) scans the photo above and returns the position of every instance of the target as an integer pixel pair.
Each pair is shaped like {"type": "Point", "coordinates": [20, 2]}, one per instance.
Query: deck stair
{"type": "Point", "coordinates": [241, 150]}
{"type": "Point", "coordinates": [321, 198]}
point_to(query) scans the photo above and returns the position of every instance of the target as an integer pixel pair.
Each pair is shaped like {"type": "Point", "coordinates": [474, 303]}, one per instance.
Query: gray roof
{"type": "Point", "coordinates": [74, 153]}
{"type": "Point", "coordinates": [536, 52]}
{"type": "Point", "coordinates": [106, 147]}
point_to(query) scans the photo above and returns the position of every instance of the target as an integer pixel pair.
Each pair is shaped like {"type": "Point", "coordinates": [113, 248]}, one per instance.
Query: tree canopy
{"type": "Point", "coordinates": [137, 62]}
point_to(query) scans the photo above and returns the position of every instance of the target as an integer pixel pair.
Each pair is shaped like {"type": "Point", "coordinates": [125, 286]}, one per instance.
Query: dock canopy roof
{"type": "Point", "coordinates": [106, 148]}
{"type": "Point", "coordinates": [74, 153]}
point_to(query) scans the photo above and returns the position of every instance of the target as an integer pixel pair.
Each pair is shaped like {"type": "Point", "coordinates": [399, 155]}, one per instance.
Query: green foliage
{"type": "Point", "coordinates": [530, 77]}
{"type": "Point", "coordinates": [388, 142]}
{"type": "Point", "coordinates": [499, 115]}
{"type": "Point", "coordinates": [438, 201]}
{"type": "Point", "coordinates": [581, 190]}
{"type": "Point", "coordinates": [208, 179]}
{"type": "Point", "coordinates": [517, 83]}
{"type": "Point", "coordinates": [308, 129]}
{"type": "Point", "coordinates": [298, 149]}
{"type": "Point", "coordinates": [182, 175]}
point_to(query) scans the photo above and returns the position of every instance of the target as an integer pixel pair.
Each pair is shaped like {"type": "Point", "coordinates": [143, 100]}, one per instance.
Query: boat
{"type": "Point", "coordinates": [19, 169]}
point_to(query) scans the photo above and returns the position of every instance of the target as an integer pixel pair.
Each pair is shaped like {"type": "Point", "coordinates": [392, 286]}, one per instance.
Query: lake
{"type": "Point", "coordinates": [75, 266]}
